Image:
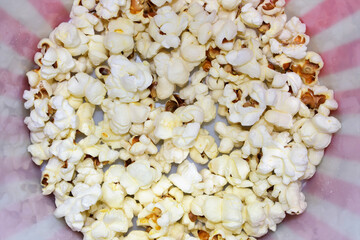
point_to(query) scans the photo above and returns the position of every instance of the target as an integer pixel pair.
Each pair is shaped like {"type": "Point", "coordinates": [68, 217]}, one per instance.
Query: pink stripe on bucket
{"type": "Point", "coordinates": [349, 101]}
{"type": "Point", "coordinates": [345, 147]}
{"type": "Point", "coordinates": [327, 14]}
{"type": "Point", "coordinates": [17, 36]}
{"type": "Point", "coordinates": [53, 11]}
{"type": "Point", "coordinates": [12, 85]}
{"type": "Point", "coordinates": [310, 227]}
{"type": "Point", "coordinates": [12, 126]}
{"type": "Point", "coordinates": [341, 58]}
{"type": "Point", "coordinates": [10, 172]}
{"type": "Point", "coordinates": [336, 191]}
{"type": "Point", "coordinates": [66, 233]}
{"type": "Point", "coordinates": [24, 214]}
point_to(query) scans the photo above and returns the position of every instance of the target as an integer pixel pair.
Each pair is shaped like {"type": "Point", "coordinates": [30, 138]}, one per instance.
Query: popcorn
{"type": "Point", "coordinates": [224, 31]}
{"type": "Point", "coordinates": [317, 132]}
{"type": "Point", "coordinates": [171, 71]}
{"type": "Point", "coordinates": [250, 16]}
{"type": "Point", "coordinates": [160, 216]}
{"type": "Point", "coordinates": [165, 123]}
{"type": "Point", "coordinates": [190, 49]}
{"type": "Point", "coordinates": [113, 193]}
{"type": "Point", "coordinates": [127, 79]}
{"type": "Point", "coordinates": [83, 20]}
{"type": "Point", "coordinates": [204, 148]}
{"type": "Point", "coordinates": [54, 62]}
{"type": "Point", "coordinates": [290, 163]}
{"type": "Point", "coordinates": [184, 137]}
{"type": "Point", "coordinates": [232, 167]}
{"type": "Point", "coordinates": [137, 175]}
{"type": "Point", "coordinates": [109, 8]}
{"type": "Point", "coordinates": [83, 85]}
{"type": "Point", "coordinates": [88, 173]}
{"type": "Point", "coordinates": [83, 198]}
{"type": "Point", "coordinates": [66, 150]}
{"type": "Point", "coordinates": [167, 26]}
{"type": "Point", "coordinates": [85, 114]}
{"type": "Point", "coordinates": [107, 224]}
{"type": "Point", "coordinates": [172, 154]}
{"type": "Point", "coordinates": [68, 36]}
{"type": "Point", "coordinates": [132, 113]}
{"type": "Point", "coordinates": [145, 46]}
{"type": "Point", "coordinates": [119, 39]}
{"type": "Point", "coordinates": [97, 52]}
{"type": "Point", "coordinates": [201, 24]}
{"type": "Point", "coordinates": [187, 177]}
{"type": "Point", "coordinates": [226, 210]}
{"type": "Point", "coordinates": [161, 66]}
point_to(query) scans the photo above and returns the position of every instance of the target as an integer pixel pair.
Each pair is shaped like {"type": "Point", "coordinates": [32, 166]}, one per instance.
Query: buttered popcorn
{"type": "Point", "coordinates": [121, 96]}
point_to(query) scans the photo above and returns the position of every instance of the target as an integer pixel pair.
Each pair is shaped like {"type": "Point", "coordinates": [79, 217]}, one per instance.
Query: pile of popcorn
{"type": "Point", "coordinates": [131, 60]}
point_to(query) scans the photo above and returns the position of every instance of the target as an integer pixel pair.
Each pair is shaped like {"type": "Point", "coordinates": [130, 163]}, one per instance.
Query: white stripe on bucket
{"type": "Point", "coordinates": [22, 11]}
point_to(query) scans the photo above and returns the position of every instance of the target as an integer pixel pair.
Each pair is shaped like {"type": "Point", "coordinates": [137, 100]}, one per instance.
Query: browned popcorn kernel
{"type": "Point", "coordinates": [206, 65]}
{"type": "Point", "coordinates": [311, 100]}
{"type": "Point", "coordinates": [203, 235]}
{"type": "Point", "coordinates": [307, 71]}
{"type": "Point", "coordinates": [192, 217]}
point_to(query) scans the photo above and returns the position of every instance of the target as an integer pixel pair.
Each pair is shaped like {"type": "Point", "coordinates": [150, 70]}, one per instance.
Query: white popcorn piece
{"type": "Point", "coordinates": [185, 136]}
{"type": "Point", "coordinates": [204, 148]}
{"type": "Point", "coordinates": [108, 223]}
{"type": "Point", "coordinates": [38, 115]}
{"type": "Point", "coordinates": [172, 154]}
{"type": "Point", "coordinates": [55, 62]}
{"type": "Point", "coordinates": [187, 177]}
{"type": "Point", "coordinates": [113, 193]}
{"type": "Point", "coordinates": [138, 175]}
{"type": "Point", "coordinates": [190, 49]}
{"type": "Point", "coordinates": [167, 26]}
{"type": "Point", "coordinates": [87, 173]}
{"type": "Point", "coordinates": [128, 79]}
{"type": "Point", "coordinates": [316, 132]}
{"type": "Point", "coordinates": [119, 39]}
{"type": "Point", "coordinates": [243, 111]}
{"type": "Point", "coordinates": [97, 52]}
{"type": "Point", "coordinates": [145, 145]}
{"type": "Point", "coordinates": [238, 58]}
{"type": "Point", "coordinates": [83, 85]}
{"type": "Point", "coordinates": [83, 20]}
{"type": "Point", "coordinates": [160, 216]}
{"type": "Point", "coordinates": [201, 24]}
{"type": "Point", "coordinates": [226, 210]}
{"type": "Point", "coordinates": [39, 152]}
{"type": "Point", "coordinates": [172, 70]}
{"type": "Point", "coordinates": [232, 167]}
{"type": "Point", "coordinates": [137, 235]}
{"type": "Point", "coordinates": [66, 150]}
{"type": "Point", "coordinates": [145, 46]}
{"type": "Point", "coordinates": [86, 122]}
{"type": "Point", "coordinates": [212, 183]}
{"type": "Point", "coordinates": [131, 113]}
{"type": "Point", "coordinates": [224, 31]}
{"type": "Point", "coordinates": [83, 198]}
{"type": "Point", "coordinates": [290, 163]}
{"type": "Point", "coordinates": [109, 8]}
{"type": "Point", "coordinates": [68, 36]}
{"type": "Point", "coordinates": [250, 16]}
{"type": "Point", "coordinates": [231, 136]}
{"type": "Point", "coordinates": [165, 123]}
{"type": "Point", "coordinates": [208, 106]}
{"type": "Point", "coordinates": [42, 90]}
{"type": "Point", "coordinates": [51, 175]}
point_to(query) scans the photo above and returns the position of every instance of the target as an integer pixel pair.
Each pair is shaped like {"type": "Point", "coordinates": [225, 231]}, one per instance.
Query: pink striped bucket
{"type": "Point", "coordinates": [333, 194]}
